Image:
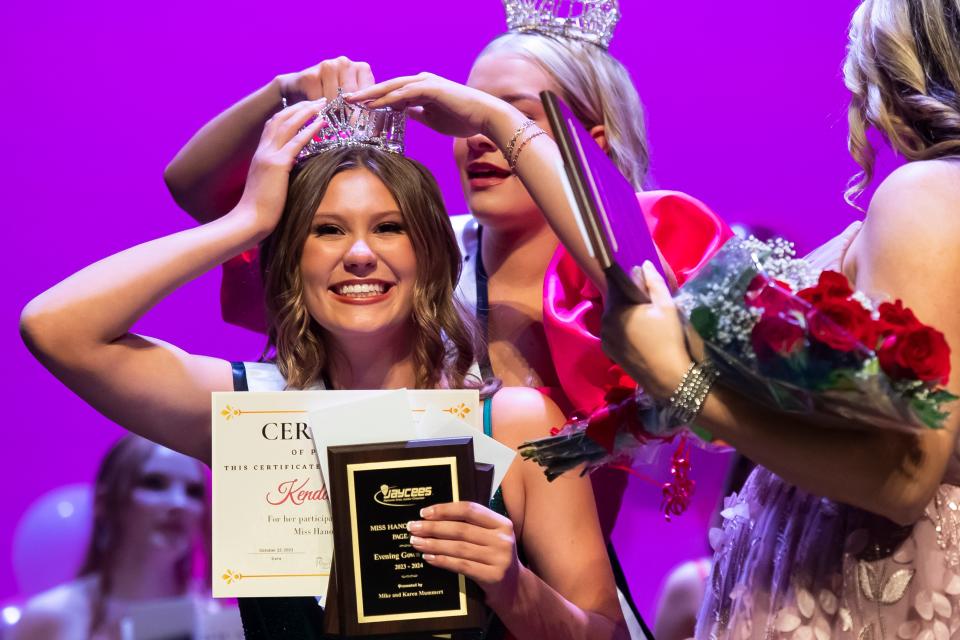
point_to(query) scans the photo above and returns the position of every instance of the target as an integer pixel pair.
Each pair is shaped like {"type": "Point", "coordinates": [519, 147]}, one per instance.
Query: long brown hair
{"type": "Point", "coordinates": [444, 346]}
{"type": "Point", "coordinates": [119, 474]}
{"type": "Point", "coordinates": [903, 69]}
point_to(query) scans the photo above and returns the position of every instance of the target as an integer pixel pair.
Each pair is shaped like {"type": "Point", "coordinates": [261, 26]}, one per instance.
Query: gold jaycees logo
{"type": "Point", "coordinates": [396, 497]}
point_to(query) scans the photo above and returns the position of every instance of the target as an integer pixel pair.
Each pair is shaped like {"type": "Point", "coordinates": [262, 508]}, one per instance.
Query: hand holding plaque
{"type": "Point", "coordinates": [470, 538]}
{"type": "Point", "coordinates": [384, 585]}
{"type": "Point", "coordinates": [271, 519]}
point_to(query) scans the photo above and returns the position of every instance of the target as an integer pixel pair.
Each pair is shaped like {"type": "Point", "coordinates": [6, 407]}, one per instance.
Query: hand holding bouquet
{"type": "Point", "coordinates": [784, 335]}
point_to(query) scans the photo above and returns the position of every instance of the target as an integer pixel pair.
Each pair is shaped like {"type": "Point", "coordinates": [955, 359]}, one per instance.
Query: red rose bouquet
{"type": "Point", "coordinates": [784, 335]}
{"type": "Point", "coordinates": [809, 343]}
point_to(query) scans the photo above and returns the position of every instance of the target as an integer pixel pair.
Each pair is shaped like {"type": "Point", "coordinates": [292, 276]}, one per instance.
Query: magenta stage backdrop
{"type": "Point", "coordinates": [746, 110]}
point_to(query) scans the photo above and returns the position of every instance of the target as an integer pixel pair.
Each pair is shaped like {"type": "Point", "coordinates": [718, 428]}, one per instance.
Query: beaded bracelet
{"type": "Point", "coordinates": [688, 399]}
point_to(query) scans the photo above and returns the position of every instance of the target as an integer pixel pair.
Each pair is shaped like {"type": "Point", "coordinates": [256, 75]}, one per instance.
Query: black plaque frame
{"type": "Point", "coordinates": [347, 464]}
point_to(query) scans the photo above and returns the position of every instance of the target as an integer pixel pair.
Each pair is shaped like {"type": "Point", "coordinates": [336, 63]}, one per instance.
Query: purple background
{"type": "Point", "coordinates": [746, 110]}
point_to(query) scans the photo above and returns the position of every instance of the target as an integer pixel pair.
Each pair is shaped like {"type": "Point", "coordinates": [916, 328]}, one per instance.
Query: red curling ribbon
{"type": "Point", "coordinates": [642, 476]}
{"type": "Point", "coordinates": [678, 493]}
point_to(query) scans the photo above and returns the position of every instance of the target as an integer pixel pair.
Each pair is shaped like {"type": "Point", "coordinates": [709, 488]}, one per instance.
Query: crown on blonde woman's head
{"type": "Point", "coordinates": [590, 21]}
{"type": "Point", "coordinates": [353, 125]}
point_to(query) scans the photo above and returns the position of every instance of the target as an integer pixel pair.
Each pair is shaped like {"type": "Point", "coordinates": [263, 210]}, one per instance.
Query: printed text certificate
{"type": "Point", "coordinates": [272, 533]}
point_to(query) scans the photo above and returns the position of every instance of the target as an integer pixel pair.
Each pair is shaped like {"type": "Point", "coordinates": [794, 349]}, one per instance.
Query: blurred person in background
{"type": "Point", "coordinates": [150, 530]}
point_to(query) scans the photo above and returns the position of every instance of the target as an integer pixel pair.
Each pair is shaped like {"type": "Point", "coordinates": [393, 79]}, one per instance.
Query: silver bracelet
{"type": "Point", "coordinates": [526, 124]}
{"type": "Point", "coordinates": [516, 156]}
{"type": "Point", "coordinates": [686, 403]}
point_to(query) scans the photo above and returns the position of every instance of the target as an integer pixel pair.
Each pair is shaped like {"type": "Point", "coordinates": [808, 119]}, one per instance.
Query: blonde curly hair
{"type": "Point", "coordinates": [903, 69]}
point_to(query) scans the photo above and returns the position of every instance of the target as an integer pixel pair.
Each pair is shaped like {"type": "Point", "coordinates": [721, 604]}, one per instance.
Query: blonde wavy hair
{"type": "Point", "coordinates": [596, 87]}
{"type": "Point", "coordinates": [444, 342]}
{"type": "Point", "coordinates": [903, 69]}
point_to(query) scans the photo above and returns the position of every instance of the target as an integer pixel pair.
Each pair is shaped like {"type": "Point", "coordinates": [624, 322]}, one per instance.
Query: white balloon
{"type": "Point", "coordinates": [51, 538]}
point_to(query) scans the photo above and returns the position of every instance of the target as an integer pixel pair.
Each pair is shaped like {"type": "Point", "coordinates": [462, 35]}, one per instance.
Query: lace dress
{"type": "Point", "coordinates": [791, 565]}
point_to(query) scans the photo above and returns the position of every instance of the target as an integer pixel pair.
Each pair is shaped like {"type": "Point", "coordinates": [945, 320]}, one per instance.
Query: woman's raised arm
{"type": "Point", "coordinates": [80, 328]}
{"type": "Point", "coordinates": [207, 175]}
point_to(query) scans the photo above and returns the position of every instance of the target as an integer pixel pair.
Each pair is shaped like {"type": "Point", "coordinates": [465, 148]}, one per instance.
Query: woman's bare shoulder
{"type": "Point", "coordinates": [520, 414]}
{"type": "Point", "coordinates": [914, 218]}
{"type": "Point", "coordinates": [926, 191]}
{"type": "Point", "coordinates": [907, 248]}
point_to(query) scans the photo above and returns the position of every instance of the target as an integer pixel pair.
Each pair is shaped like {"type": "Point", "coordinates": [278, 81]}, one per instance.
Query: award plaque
{"type": "Point", "coordinates": [383, 585]}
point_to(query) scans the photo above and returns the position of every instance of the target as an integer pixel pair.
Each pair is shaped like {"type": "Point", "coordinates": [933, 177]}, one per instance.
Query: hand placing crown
{"type": "Point", "coordinates": [590, 21]}
{"type": "Point", "coordinates": [353, 125]}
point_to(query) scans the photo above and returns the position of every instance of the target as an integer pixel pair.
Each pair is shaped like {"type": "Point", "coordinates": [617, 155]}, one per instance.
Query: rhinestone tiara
{"type": "Point", "coordinates": [353, 125]}
{"type": "Point", "coordinates": [590, 21]}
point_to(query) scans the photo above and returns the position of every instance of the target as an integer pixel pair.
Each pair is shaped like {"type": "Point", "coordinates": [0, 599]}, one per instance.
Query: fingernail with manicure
{"type": "Point", "coordinates": [426, 512]}
{"type": "Point", "coordinates": [414, 540]}
{"type": "Point", "coordinates": [414, 526]}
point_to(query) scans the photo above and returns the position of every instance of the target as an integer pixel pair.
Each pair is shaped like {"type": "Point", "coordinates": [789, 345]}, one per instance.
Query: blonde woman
{"type": "Point", "coordinates": [848, 533]}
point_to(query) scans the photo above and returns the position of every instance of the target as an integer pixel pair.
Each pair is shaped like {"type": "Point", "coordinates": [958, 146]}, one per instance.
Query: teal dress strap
{"type": "Point", "coordinates": [496, 502]}
{"type": "Point", "coordinates": [487, 421]}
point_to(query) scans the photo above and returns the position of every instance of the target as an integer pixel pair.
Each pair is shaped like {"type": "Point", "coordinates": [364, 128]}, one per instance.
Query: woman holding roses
{"type": "Point", "coordinates": [848, 530]}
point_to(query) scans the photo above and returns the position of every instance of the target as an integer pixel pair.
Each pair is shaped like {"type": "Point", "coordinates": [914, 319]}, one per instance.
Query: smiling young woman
{"type": "Point", "coordinates": [360, 263]}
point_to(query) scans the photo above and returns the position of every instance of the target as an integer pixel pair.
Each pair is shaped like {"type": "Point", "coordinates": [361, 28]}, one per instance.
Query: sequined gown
{"type": "Point", "coordinates": [791, 565]}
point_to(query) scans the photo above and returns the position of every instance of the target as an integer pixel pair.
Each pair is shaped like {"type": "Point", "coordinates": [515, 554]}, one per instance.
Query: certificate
{"type": "Point", "coordinates": [272, 527]}
{"type": "Point", "coordinates": [384, 586]}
